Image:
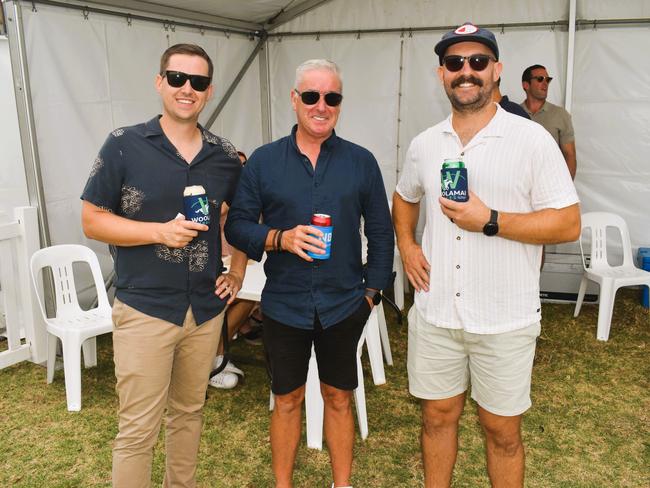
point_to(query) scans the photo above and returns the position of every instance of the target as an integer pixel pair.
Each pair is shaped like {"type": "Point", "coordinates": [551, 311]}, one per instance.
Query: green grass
{"type": "Point", "coordinates": [589, 425]}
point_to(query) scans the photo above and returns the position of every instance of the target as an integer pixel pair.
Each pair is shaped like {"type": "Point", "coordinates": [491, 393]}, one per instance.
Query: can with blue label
{"type": "Point", "coordinates": [323, 222]}
{"type": "Point", "coordinates": [453, 180]}
{"type": "Point", "coordinates": [195, 205]}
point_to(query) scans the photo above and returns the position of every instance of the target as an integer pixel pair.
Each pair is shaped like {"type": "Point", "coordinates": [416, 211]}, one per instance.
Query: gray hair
{"type": "Point", "coordinates": [317, 64]}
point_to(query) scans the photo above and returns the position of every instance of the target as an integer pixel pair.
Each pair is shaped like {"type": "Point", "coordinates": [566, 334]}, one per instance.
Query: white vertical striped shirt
{"type": "Point", "coordinates": [485, 285]}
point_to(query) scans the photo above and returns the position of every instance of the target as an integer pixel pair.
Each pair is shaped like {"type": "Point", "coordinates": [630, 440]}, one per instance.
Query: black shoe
{"type": "Point", "coordinates": [253, 336]}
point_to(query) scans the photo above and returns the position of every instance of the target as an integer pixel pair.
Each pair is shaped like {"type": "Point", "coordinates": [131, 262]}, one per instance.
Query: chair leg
{"type": "Point", "coordinates": [360, 398]}
{"type": "Point", "coordinates": [398, 284]}
{"type": "Point", "coordinates": [72, 370]}
{"type": "Point", "coordinates": [383, 333]}
{"type": "Point", "coordinates": [373, 341]}
{"type": "Point", "coordinates": [314, 406]}
{"type": "Point", "coordinates": [605, 308]}
{"type": "Point", "coordinates": [52, 342]}
{"type": "Point", "coordinates": [581, 295]}
{"type": "Point", "coordinates": [89, 348]}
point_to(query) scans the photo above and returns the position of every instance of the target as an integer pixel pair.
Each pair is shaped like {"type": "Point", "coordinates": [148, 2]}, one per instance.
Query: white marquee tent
{"type": "Point", "coordinates": [70, 72]}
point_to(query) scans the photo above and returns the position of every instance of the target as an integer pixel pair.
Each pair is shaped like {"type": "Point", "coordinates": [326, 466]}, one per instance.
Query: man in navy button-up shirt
{"type": "Point", "coordinates": [170, 297]}
{"type": "Point", "coordinates": [309, 300]}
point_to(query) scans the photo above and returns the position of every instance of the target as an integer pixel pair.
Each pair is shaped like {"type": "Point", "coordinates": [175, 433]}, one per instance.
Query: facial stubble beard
{"type": "Point", "coordinates": [484, 96]}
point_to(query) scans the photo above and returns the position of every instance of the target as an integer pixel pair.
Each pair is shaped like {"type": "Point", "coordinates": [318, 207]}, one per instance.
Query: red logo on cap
{"type": "Point", "coordinates": [466, 29]}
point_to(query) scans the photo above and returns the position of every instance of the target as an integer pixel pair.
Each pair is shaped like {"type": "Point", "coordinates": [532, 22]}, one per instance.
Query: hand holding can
{"type": "Point", "coordinates": [453, 180]}
{"type": "Point", "coordinates": [323, 222]}
{"type": "Point", "coordinates": [195, 204]}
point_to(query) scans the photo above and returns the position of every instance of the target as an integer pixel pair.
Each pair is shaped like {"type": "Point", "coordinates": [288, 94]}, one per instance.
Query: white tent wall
{"type": "Point", "coordinates": [370, 68]}
{"type": "Point", "coordinates": [13, 186]}
{"type": "Point", "coordinates": [90, 76]}
{"type": "Point", "coordinates": [611, 114]}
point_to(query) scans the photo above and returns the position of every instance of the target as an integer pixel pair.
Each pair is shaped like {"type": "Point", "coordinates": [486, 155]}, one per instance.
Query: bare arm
{"type": "Point", "coordinates": [405, 220]}
{"type": "Point", "coordinates": [569, 152]}
{"type": "Point", "coordinates": [104, 226]}
{"type": "Point", "coordinates": [547, 226]}
{"type": "Point", "coordinates": [231, 282]}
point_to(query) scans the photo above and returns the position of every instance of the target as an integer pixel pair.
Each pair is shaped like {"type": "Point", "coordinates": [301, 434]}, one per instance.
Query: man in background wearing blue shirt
{"type": "Point", "coordinates": [321, 301]}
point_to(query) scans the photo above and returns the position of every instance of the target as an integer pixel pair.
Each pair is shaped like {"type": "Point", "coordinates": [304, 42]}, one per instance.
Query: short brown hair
{"type": "Point", "coordinates": [189, 49]}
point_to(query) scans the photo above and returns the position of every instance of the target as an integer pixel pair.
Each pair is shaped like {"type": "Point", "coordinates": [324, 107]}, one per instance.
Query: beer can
{"type": "Point", "coordinates": [322, 222]}
{"type": "Point", "coordinates": [195, 204]}
{"type": "Point", "coordinates": [453, 180]}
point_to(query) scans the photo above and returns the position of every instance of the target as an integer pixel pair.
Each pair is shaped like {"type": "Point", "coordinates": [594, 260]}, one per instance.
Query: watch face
{"type": "Point", "coordinates": [490, 229]}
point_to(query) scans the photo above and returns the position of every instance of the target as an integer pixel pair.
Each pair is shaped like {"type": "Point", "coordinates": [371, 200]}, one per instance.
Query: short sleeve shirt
{"type": "Point", "coordinates": [139, 175]}
{"type": "Point", "coordinates": [482, 284]}
{"type": "Point", "coordinates": [555, 120]}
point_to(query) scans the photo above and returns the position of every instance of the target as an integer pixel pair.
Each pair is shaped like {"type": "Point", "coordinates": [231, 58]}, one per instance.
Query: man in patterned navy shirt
{"type": "Point", "coordinates": [171, 295]}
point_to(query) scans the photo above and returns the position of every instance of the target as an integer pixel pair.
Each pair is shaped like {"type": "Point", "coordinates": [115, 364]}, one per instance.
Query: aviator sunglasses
{"type": "Point", "coordinates": [177, 79]}
{"type": "Point", "coordinates": [332, 99]}
{"type": "Point", "coordinates": [539, 79]}
{"type": "Point", "coordinates": [478, 62]}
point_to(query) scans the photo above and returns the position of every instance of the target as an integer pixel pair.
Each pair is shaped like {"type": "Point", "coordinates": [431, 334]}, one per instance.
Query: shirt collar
{"type": "Point", "coordinates": [328, 143]}
{"type": "Point", "coordinates": [152, 128]}
{"type": "Point", "coordinates": [494, 127]}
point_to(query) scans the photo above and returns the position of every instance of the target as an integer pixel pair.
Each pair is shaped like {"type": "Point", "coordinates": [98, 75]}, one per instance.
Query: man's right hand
{"type": "Point", "coordinates": [301, 239]}
{"type": "Point", "coordinates": [178, 232]}
{"type": "Point", "coordinates": [416, 266]}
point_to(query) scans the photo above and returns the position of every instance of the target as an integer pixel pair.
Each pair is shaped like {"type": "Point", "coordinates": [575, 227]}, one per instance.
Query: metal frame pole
{"type": "Point", "coordinates": [265, 94]}
{"type": "Point", "coordinates": [570, 61]}
{"type": "Point", "coordinates": [15, 34]}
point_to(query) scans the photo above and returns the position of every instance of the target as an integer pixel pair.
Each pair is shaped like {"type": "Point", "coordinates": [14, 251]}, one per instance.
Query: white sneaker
{"type": "Point", "coordinates": [230, 367]}
{"type": "Point", "coordinates": [224, 380]}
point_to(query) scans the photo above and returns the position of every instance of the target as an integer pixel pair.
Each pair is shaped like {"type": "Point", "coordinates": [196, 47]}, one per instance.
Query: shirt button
{"type": "Point", "coordinates": [458, 266]}
{"type": "Point", "coordinates": [463, 153]}
{"type": "Point", "coordinates": [458, 238]}
{"type": "Point", "coordinates": [457, 294]}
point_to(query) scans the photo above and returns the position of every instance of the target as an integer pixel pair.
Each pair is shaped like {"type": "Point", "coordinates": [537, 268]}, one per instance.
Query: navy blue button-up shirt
{"type": "Point", "coordinates": [140, 175]}
{"type": "Point", "coordinates": [280, 184]}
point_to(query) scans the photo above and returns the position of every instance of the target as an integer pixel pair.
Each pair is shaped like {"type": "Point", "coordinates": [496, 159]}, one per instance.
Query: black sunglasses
{"type": "Point", "coordinates": [332, 99]}
{"type": "Point", "coordinates": [541, 78]}
{"type": "Point", "coordinates": [478, 62]}
{"type": "Point", "coordinates": [177, 79]}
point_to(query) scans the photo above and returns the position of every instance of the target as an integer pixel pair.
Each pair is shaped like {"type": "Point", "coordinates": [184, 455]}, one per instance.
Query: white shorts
{"type": "Point", "coordinates": [443, 362]}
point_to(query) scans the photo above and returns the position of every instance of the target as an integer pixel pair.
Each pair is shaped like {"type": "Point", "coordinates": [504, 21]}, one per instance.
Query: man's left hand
{"type": "Point", "coordinates": [471, 215]}
{"type": "Point", "coordinates": [228, 284]}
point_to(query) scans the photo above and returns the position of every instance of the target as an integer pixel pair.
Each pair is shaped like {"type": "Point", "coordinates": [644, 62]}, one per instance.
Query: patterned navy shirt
{"type": "Point", "coordinates": [141, 176]}
{"type": "Point", "coordinates": [280, 183]}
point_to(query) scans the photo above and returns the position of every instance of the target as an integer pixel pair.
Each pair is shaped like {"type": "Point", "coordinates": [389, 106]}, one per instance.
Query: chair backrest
{"type": "Point", "coordinates": [60, 259]}
{"type": "Point", "coordinates": [598, 222]}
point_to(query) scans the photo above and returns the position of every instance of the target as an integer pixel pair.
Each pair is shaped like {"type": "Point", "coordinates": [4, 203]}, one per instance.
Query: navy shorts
{"type": "Point", "coordinates": [288, 350]}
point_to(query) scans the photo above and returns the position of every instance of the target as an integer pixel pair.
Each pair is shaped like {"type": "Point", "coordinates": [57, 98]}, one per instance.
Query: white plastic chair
{"type": "Point", "coordinates": [76, 328]}
{"type": "Point", "coordinates": [610, 278]}
{"type": "Point", "coordinates": [377, 329]}
{"type": "Point", "coordinates": [314, 405]}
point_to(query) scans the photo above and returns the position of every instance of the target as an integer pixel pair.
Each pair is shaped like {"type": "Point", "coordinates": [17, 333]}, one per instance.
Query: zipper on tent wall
{"type": "Point", "coordinates": [399, 110]}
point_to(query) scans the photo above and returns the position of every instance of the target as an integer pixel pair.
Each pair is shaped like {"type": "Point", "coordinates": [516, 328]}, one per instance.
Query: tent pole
{"type": "Point", "coordinates": [28, 142]}
{"type": "Point", "coordinates": [235, 82]}
{"type": "Point", "coordinates": [570, 59]}
{"type": "Point", "coordinates": [265, 93]}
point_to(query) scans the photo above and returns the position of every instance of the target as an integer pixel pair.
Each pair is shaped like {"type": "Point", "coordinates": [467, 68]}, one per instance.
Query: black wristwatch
{"type": "Point", "coordinates": [374, 295]}
{"type": "Point", "coordinates": [492, 227]}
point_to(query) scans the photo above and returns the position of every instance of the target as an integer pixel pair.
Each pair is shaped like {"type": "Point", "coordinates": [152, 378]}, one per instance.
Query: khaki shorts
{"type": "Point", "coordinates": [442, 363]}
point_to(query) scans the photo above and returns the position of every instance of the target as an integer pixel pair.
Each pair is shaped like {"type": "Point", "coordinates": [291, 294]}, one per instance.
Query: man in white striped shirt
{"type": "Point", "coordinates": [477, 315]}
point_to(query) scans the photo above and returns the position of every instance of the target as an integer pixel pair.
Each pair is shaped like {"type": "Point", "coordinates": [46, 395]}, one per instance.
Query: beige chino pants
{"type": "Point", "coordinates": [157, 365]}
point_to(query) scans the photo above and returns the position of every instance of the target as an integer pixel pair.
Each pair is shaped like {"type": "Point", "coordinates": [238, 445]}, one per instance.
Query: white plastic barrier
{"type": "Point", "coordinates": [18, 241]}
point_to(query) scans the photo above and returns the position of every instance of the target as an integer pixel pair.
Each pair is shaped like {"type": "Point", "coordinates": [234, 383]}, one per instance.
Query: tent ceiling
{"type": "Point", "coordinates": [251, 14]}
